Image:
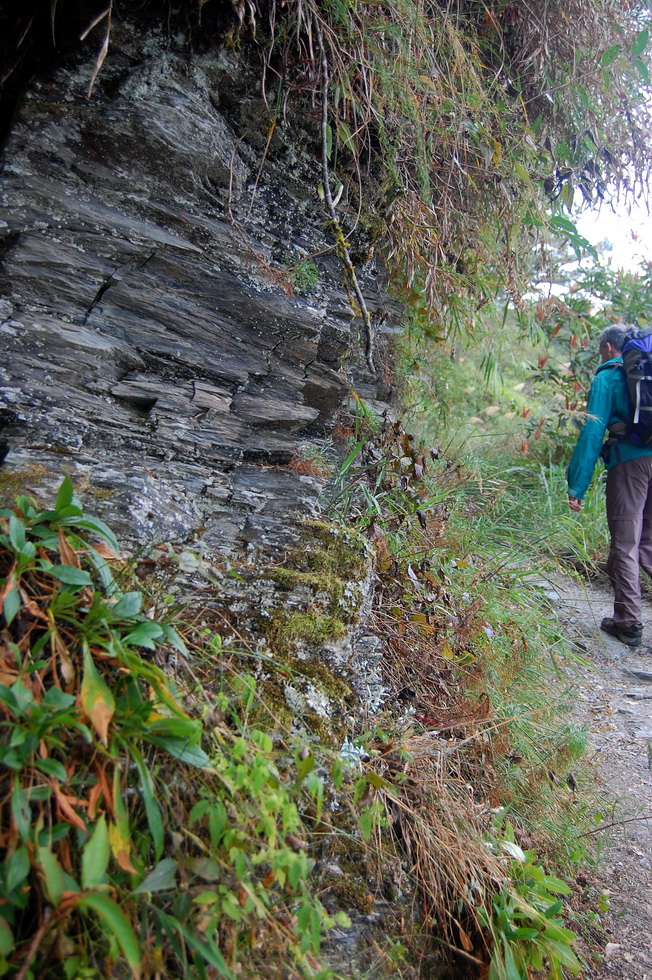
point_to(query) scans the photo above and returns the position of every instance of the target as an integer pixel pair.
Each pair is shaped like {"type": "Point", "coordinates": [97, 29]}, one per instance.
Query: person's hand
{"type": "Point", "coordinates": [575, 503]}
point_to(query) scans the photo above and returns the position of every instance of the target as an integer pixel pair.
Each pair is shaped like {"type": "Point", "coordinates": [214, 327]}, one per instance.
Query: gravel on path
{"type": "Point", "coordinates": [613, 685]}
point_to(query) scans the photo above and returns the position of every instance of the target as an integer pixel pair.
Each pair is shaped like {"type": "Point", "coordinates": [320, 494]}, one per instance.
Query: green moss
{"type": "Point", "coordinates": [314, 627]}
{"type": "Point", "coordinates": [99, 493]}
{"type": "Point", "coordinates": [330, 550]}
{"type": "Point", "coordinates": [12, 484]}
{"type": "Point", "coordinates": [272, 704]}
{"type": "Point", "coordinates": [329, 563]}
{"type": "Point", "coordinates": [289, 578]}
{"type": "Point", "coordinates": [343, 552]}
{"type": "Point", "coordinates": [328, 731]}
{"type": "Point", "coordinates": [309, 627]}
{"type": "Point", "coordinates": [334, 686]}
{"type": "Point", "coordinates": [305, 676]}
{"type": "Point", "coordinates": [350, 892]}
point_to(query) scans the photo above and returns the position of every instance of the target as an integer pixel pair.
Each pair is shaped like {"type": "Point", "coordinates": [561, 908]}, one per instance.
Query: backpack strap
{"type": "Point", "coordinates": [637, 407]}
{"type": "Point", "coordinates": [618, 430]}
{"type": "Point", "coordinates": [610, 365]}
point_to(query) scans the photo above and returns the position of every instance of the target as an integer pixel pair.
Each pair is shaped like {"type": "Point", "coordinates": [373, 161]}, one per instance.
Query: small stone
{"type": "Point", "coordinates": [612, 949]}
{"type": "Point", "coordinates": [642, 675]}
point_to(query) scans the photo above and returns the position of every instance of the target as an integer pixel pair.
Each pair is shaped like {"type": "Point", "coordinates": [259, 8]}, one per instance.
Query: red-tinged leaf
{"type": "Point", "coordinates": [30, 607]}
{"type": "Point", "coordinates": [8, 677]}
{"type": "Point", "coordinates": [66, 811]}
{"type": "Point", "coordinates": [107, 793]}
{"type": "Point", "coordinates": [65, 662]}
{"type": "Point", "coordinates": [96, 698]}
{"type": "Point", "coordinates": [120, 844]}
{"type": "Point", "coordinates": [465, 940]}
{"type": "Point", "coordinates": [104, 551]}
{"type": "Point", "coordinates": [65, 856]}
{"type": "Point", "coordinates": [68, 554]}
{"type": "Point", "coordinates": [375, 532]}
{"type": "Point", "coordinates": [119, 834]}
{"type": "Point", "coordinates": [94, 798]}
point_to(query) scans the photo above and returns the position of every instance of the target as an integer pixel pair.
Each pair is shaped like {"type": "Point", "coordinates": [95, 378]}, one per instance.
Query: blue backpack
{"type": "Point", "coordinates": [637, 362]}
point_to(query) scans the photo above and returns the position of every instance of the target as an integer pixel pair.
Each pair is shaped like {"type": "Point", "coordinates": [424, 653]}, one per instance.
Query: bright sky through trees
{"type": "Point", "coordinates": [630, 235]}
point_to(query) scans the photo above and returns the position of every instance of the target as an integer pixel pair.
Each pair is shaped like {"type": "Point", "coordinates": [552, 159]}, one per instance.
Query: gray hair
{"type": "Point", "coordinates": [616, 334]}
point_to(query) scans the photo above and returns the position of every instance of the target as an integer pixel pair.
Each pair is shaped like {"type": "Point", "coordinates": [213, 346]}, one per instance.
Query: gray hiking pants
{"type": "Point", "coordinates": [629, 515]}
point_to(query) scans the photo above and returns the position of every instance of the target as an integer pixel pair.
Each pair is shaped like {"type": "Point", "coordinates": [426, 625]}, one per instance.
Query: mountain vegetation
{"type": "Point", "coordinates": [184, 790]}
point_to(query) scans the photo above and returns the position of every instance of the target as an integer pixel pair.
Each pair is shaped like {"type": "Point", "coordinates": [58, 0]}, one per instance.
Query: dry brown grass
{"type": "Point", "coordinates": [448, 121]}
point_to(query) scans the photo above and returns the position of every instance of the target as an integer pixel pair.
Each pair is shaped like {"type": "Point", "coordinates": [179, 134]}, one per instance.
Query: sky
{"type": "Point", "coordinates": [630, 235]}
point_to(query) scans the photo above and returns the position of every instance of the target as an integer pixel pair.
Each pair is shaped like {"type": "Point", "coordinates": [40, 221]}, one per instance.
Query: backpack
{"type": "Point", "coordinates": [637, 363]}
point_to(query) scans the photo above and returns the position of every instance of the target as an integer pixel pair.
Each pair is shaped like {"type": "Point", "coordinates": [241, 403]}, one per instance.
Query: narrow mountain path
{"type": "Point", "coordinates": [613, 686]}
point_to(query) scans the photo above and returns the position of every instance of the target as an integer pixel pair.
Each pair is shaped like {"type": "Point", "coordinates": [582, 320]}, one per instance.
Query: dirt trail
{"type": "Point", "coordinates": [614, 700]}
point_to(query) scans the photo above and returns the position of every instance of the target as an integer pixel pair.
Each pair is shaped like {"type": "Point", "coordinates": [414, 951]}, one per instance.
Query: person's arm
{"type": "Point", "coordinates": [588, 446]}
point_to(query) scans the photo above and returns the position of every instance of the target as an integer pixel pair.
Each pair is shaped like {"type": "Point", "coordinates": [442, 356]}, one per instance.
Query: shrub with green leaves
{"type": "Point", "coordinates": [524, 921]}
{"type": "Point", "coordinates": [132, 834]}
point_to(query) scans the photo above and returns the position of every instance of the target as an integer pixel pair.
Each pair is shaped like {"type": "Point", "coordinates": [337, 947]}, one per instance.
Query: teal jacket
{"type": "Point", "coordinates": [608, 403]}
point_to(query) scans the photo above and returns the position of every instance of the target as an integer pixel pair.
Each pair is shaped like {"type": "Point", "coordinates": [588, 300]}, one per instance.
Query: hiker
{"type": "Point", "coordinates": [629, 484]}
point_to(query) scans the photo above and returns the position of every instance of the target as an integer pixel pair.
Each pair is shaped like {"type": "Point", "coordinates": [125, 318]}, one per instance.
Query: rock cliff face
{"type": "Point", "coordinates": [154, 349]}
{"type": "Point", "coordinates": [153, 345]}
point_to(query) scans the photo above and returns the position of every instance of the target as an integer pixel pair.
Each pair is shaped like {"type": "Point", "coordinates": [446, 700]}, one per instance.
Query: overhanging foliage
{"type": "Point", "coordinates": [461, 132]}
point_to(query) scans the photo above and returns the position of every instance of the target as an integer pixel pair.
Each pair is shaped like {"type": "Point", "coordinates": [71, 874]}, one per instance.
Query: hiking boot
{"type": "Point", "coordinates": [630, 635]}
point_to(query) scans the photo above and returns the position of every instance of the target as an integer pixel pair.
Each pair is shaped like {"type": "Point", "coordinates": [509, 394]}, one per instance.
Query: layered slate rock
{"type": "Point", "coordinates": [152, 345]}
{"type": "Point", "coordinates": [153, 348]}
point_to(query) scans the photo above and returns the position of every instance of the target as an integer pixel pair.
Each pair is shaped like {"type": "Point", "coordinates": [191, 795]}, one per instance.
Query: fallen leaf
{"type": "Point", "coordinates": [96, 698]}
{"type": "Point", "coordinates": [68, 554]}
{"type": "Point", "coordinates": [466, 941]}
{"type": "Point", "coordinates": [65, 808]}
{"type": "Point", "coordinates": [65, 662]}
